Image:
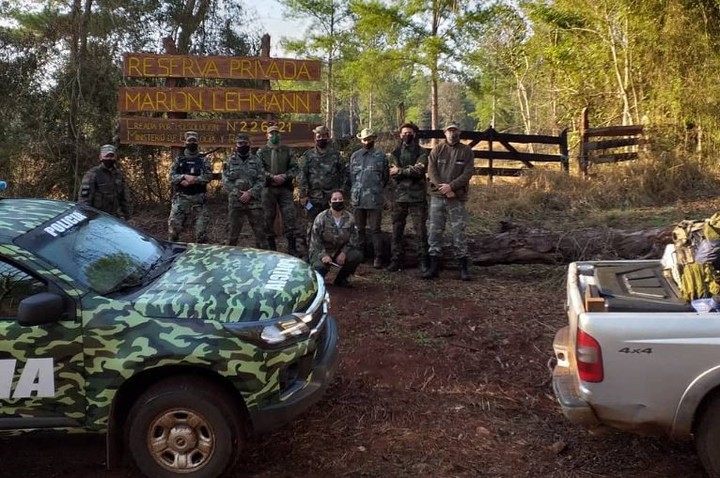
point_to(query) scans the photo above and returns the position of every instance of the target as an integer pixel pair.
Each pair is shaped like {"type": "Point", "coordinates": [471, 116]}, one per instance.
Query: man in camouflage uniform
{"type": "Point", "coordinates": [334, 241]}
{"type": "Point", "coordinates": [369, 175]}
{"type": "Point", "coordinates": [281, 169]}
{"type": "Point", "coordinates": [104, 187]}
{"type": "Point", "coordinates": [451, 164]}
{"type": "Point", "coordinates": [243, 179]}
{"type": "Point", "coordinates": [322, 171]}
{"type": "Point", "coordinates": [408, 164]}
{"type": "Point", "coordinates": [189, 175]}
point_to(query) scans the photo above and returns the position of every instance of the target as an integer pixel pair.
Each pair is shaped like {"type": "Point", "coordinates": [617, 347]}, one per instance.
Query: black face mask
{"type": "Point", "coordinates": [338, 206]}
{"type": "Point", "coordinates": [321, 143]}
{"type": "Point", "coordinates": [108, 163]}
{"type": "Point", "coordinates": [243, 150]}
{"type": "Point", "coordinates": [192, 147]}
{"type": "Point", "coordinates": [409, 139]}
{"type": "Point", "coordinates": [369, 145]}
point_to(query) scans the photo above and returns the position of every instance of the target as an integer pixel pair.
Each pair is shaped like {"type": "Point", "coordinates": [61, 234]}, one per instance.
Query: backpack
{"type": "Point", "coordinates": [687, 236]}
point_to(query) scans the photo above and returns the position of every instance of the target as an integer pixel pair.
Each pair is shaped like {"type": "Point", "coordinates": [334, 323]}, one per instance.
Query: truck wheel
{"type": "Point", "coordinates": [707, 438]}
{"type": "Point", "coordinates": [186, 427]}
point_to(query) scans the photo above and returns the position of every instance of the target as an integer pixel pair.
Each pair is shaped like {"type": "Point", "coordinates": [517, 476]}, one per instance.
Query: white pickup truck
{"type": "Point", "coordinates": [635, 357]}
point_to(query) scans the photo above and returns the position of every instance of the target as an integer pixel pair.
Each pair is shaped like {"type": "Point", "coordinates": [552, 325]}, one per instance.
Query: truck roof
{"type": "Point", "coordinates": [18, 216]}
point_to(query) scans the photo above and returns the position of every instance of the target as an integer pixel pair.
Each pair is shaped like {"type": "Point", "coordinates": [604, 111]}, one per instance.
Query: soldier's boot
{"type": "Point", "coordinates": [173, 237]}
{"type": "Point", "coordinates": [395, 265]}
{"type": "Point", "coordinates": [377, 263]}
{"type": "Point", "coordinates": [271, 244]}
{"type": "Point", "coordinates": [432, 271]}
{"type": "Point", "coordinates": [292, 246]}
{"type": "Point", "coordinates": [424, 264]}
{"type": "Point", "coordinates": [342, 279]}
{"type": "Point", "coordinates": [464, 274]}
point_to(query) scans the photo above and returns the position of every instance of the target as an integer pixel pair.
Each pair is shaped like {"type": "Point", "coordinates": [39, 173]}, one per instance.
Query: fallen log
{"type": "Point", "coordinates": [524, 244]}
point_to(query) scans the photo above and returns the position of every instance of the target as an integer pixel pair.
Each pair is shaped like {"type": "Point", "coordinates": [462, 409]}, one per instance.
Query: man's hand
{"type": "Point", "coordinates": [279, 179]}
{"type": "Point", "coordinates": [394, 170]}
{"type": "Point", "coordinates": [326, 260]}
{"type": "Point", "coordinates": [245, 196]}
{"type": "Point", "coordinates": [340, 259]}
{"type": "Point", "coordinates": [444, 189]}
{"type": "Point", "coordinates": [450, 195]}
{"type": "Point", "coordinates": [190, 179]}
{"type": "Point", "coordinates": [303, 201]}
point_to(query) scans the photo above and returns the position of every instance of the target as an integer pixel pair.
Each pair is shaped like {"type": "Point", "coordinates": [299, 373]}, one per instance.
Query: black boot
{"type": "Point", "coordinates": [271, 244]}
{"type": "Point", "coordinates": [342, 279]}
{"type": "Point", "coordinates": [432, 271]}
{"type": "Point", "coordinates": [464, 274]}
{"type": "Point", "coordinates": [292, 246]}
{"type": "Point", "coordinates": [424, 264]}
{"type": "Point", "coordinates": [395, 265]}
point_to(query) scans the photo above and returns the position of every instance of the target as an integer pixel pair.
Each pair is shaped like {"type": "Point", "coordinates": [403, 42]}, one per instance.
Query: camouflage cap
{"type": "Point", "coordinates": [322, 129]}
{"type": "Point", "coordinates": [106, 149]}
{"type": "Point", "coordinates": [450, 126]}
{"type": "Point", "coordinates": [242, 137]}
{"type": "Point", "coordinates": [366, 133]}
{"type": "Point", "coordinates": [191, 135]}
{"type": "Point", "coordinates": [272, 128]}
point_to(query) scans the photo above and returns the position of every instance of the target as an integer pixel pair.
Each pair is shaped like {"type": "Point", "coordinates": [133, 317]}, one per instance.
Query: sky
{"type": "Point", "coordinates": [270, 14]}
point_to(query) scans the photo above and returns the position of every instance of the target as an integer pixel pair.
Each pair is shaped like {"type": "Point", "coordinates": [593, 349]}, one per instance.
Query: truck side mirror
{"type": "Point", "coordinates": [42, 308]}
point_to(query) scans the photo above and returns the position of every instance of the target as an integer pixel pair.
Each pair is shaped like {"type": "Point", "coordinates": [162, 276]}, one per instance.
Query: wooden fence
{"type": "Point", "coordinates": [617, 143]}
{"type": "Point", "coordinates": [504, 147]}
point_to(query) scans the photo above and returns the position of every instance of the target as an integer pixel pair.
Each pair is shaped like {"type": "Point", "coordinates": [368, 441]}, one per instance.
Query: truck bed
{"type": "Point", "coordinates": [637, 287]}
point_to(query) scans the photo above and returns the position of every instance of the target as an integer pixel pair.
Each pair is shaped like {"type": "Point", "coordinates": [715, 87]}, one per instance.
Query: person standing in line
{"type": "Point", "coordinates": [322, 171]}
{"type": "Point", "coordinates": [104, 186]}
{"type": "Point", "coordinates": [243, 179]}
{"type": "Point", "coordinates": [408, 164]}
{"type": "Point", "coordinates": [334, 241]}
{"type": "Point", "coordinates": [369, 174]}
{"type": "Point", "coordinates": [190, 174]}
{"type": "Point", "coordinates": [451, 164]}
{"type": "Point", "coordinates": [281, 169]}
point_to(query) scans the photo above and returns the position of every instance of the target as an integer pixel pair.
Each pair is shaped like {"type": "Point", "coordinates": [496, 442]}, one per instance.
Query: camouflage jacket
{"type": "Point", "coordinates": [321, 173]}
{"type": "Point", "coordinates": [107, 190]}
{"type": "Point", "coordinates": [453, 165]}
{"type": "Point", "coordinates": [369, 175]}
{"type": "Point", "coordinates": [282, 162]}
{"type": "Point", "coordinates": [328, 239]}
{"type": "Point", "coordinates": [194, 165]}
{"type": "Point", "coordinates": [242, 175]}
{"type": "Point", "coordinates": [411, 185]}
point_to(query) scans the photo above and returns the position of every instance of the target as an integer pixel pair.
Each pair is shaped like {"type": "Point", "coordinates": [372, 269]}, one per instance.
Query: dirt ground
{"type": "Point", "coordinates": [439, 379]}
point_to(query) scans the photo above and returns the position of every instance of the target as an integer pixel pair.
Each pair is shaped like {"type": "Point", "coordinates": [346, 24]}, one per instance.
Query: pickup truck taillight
{"type": "Point", "coordinates": [589, 358]}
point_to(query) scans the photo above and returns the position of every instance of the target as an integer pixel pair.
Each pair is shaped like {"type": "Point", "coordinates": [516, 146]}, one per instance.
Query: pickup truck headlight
{"type": "Point", "coordinates": [274, 332]}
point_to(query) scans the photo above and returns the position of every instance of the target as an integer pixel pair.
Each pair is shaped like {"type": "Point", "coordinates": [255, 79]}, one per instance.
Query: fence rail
{"type": "Point", "coordinates": [605, 150]}
{"type": "Point", "coordinates": [510, 142]}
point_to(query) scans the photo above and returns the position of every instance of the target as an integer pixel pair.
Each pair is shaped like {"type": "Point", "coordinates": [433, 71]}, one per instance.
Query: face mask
{"type": "Point", "coordinates": [192, 147]}
{"type": "Point", "coordinates": [369, 145]}
{"type": "Point", "coordinates": [338, 206]}
{"type": "Point", "coordinates": [321, 143]}
{"type": "Point", "coordinates": [275, 139]}
{"type": "Point", "coordinates": [243, 150]}
{"type": "Point", "coordinates": [409, 139]}
{"type": "Point", "coordinates": [108, 163]}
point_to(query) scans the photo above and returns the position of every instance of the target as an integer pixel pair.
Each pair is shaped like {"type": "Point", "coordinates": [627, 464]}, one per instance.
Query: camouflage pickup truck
{"type": "Point", "coordinates": [176, 351]}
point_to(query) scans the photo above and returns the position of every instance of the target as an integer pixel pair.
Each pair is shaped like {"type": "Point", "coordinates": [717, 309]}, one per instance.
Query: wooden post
{"type": "Point", "coordinates": [171, 49]}
{"type": "Point", "coordinates": [565, 163]}
{"type": "Point", "coordinates": [582, 154]}
{"type": "Point", "coordinates": [491, 138]}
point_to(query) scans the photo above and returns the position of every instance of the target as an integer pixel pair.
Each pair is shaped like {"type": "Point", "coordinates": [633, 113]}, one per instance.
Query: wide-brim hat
{"type": "Point", "coordinates": [366, 133]}
{"type": "Point", "coordinates": [322, 129]}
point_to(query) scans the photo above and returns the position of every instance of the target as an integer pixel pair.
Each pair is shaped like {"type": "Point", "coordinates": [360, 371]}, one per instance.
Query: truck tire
{"type": "Point", "coordinates": [707, 438]}
{"type": "Point", "coordinates": [185, 426]}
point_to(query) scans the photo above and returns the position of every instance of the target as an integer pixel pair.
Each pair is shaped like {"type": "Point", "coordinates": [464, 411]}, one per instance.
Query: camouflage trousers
{"type": "Point", "coordinates": [352, 260]}
{"type": "Point", "coordinates": [418, 212]}
{"type": "Point", "coordinates": [282, 197]}
{"type": "Point", "coordinates": [373, 219]}
{"type": "Point", "coordinates": [444, 210]}
{"type": "Point", "coordinates": [255, 217]}
{"type": "Point", "coordinates": [183, 206]}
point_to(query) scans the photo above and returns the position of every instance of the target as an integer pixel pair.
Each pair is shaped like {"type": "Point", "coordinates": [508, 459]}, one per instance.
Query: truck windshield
{"type": "Point", "coordinates": [97, 250]}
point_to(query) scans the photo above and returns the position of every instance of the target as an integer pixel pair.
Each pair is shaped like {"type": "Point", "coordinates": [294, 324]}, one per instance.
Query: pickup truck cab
{"type": "Point", "coordinates": [175, 351]}
{"type": "Point", "coordinates": [636, 357]}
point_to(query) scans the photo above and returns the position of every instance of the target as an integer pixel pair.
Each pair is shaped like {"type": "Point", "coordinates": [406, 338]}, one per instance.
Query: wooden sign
{"type": "Point", "coordinates": [227, 67]}
{"type": "Point", "coordinates": [212, 132]}
{"type": "Point", "coordinates": [219, 100]}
